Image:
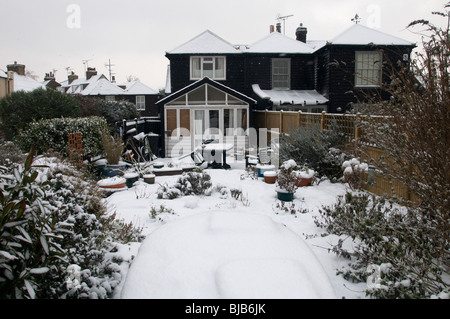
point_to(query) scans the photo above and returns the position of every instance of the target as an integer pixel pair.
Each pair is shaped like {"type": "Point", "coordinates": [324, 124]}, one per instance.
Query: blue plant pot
{"type": "Point", "coordinates": [131, 179]}
{"type": "Point", "coordinates": [113, 170]}
{"type": "Point", "coordinates": [285, 196]}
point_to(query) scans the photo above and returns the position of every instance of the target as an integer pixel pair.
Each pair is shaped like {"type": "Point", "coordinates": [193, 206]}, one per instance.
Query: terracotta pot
{"type": "Point", "coordinates": [112, 183]}
{"type": "Point", "coordinates": [270, 177]}
{"type": "Point", "coordinates": [301, 182]}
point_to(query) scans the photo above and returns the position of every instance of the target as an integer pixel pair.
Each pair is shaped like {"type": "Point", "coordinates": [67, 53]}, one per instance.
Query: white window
{"type": "Point", "coordinates": [140, 103]}
{"type": "Point", "coordinates": [281, 74]}
{"type": "Point", "coordinates": [110, 98]}
{"type": "Point", "coordinates": [368, 67]}
{"type": "Point", "coordinates": [208, 66]}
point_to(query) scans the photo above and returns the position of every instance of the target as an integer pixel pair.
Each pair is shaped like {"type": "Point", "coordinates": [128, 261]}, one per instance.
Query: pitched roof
{"type": "Point", "coordinates": [200, 82]}
{"type": "Point", "coordinates": [25, 83]}
{"type": "Point", "coordinates": [3, 74]}
{"type": "Point", "coordinates": [206, 42]}
{"type": "Point", "coordinates": [362, 35]}
{"type": "Point", "coordinates": [102, 87]}
{"type": "Point", "coordinates": [138, 88]}
{"type": "Point", "coordinates": [276, 42]}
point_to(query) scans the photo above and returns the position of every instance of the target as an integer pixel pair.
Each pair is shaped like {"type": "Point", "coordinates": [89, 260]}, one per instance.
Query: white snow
{"type": "Point", "coordinates": [362, 35]}
{"type": "Point", "coordinates": [218, 246]}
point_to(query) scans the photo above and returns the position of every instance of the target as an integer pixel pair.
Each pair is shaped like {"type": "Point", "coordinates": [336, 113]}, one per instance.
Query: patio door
{"type": "Point", "coordinates": [207, 125]}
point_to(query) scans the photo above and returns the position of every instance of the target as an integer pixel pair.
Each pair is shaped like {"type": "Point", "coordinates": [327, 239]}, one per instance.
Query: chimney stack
{"type": "Point", "coordinates": [72, 77]}
{"type": "Point", "coordinates": [272, 28]}
{"type": "Point", "coordinates": [279, 27]}
{"type": "Point", "coordinates": [18, 68]}
{"type": "Point", "coordinates": [90, 73]}
{"type": "Point", "coordinates": [49, 76]}
{"type": "Point", "coordinates": [301, 33]}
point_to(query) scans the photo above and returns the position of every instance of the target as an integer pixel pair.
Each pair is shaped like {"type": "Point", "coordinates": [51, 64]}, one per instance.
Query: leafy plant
{"type": "Point", "coordinates": [316, 149]}
{"type": "Point", "coordinates": [287, 178]}
{"type": "Point", "coordinates": [113, 148]}
{"type": "Point", "coordinates": [402, 242]}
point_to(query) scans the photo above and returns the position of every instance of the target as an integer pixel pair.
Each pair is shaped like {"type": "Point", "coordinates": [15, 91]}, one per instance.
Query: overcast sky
{"type": "Point", "coordinates": [48, 35]}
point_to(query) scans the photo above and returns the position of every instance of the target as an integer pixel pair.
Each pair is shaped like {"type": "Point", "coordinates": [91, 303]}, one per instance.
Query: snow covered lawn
{"type": "Point", "coordinates": [218, 246]}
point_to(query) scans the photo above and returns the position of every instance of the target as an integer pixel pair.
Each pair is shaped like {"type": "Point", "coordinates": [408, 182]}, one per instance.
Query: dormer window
{"type": "Point", "coordinates": [212, 67]}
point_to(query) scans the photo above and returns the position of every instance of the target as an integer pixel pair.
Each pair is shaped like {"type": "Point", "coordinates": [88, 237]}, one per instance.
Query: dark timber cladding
{"type": "Point", "coordinates": [336, 72]}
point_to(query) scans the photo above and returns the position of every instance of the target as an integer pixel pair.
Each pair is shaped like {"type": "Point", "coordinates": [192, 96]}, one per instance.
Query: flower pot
{"type": "Point", "coordinates": [113, 170]}
{"type": "Point", "coordinates": [112, 183]}
{"type": "Point", "coordinates": [302, 181]}
{"type": "Point", "coordinates": [131, 178]}
{"type": "Point", "coordinates": [264, 168]}
{"type": "Point", "coordinates": [270, 177]}
{"type": "Point", "coordinates": [284, 195]}
{"type": "Point", "coordinates": [149, 178]}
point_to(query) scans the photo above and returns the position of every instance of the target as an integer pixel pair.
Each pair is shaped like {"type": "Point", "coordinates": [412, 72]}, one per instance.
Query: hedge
{"type": "Point", "coordinates": [52, 135]}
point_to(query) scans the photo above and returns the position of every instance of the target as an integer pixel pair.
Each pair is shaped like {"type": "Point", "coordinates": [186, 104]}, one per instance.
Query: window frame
{"type": "Point", "coordinates": [140, 103]}
{"type": "Point", "coordinates": [362, 78]}
{"type": "Point", "coordinates": [289, 74]}
{"type": "Point", "coordinates": [203, 62]}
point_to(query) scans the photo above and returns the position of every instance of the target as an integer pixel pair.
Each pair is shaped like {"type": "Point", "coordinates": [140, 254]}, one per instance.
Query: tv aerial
{"type": "Point", "coordinates": [283, 19]}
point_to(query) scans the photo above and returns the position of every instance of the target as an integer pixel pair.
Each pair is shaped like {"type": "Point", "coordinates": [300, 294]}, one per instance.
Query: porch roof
{"type": "Point", "coordinates": [213, 83]}
{"type": "Point", "coordinates": [280, 97]}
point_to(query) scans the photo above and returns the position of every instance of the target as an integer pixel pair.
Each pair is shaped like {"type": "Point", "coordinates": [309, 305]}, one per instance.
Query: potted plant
{"type": "Point", "coordinates": [113, 148]}
{"type": "Point", "coordinates": [287, 181]}
{"type": "Point", "coordinates": [305, 176]}
{"type": "Point", "coordinates": [270, 177]}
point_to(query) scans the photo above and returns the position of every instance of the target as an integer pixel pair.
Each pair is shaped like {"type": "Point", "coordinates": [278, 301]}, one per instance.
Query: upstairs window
{"type": "Point", "coordinates": [281, 74]}
{"type": "Point", "coordinates": [368, 68]}
{"type": "Point", "coordinates": [208, 66]}
{"type": "Point", "coordinates": [140, 103]}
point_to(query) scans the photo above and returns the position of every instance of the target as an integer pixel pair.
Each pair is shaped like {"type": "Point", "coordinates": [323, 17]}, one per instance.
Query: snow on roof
{"type": "Point", "coordinates": [279, 43]}
{"type": "Point", "coordinates": [205, 42]}
{"type": "Point", "coordinates": [102, 87]}
{"type": "Point", "coordinates": [279, 97]}
{"type": "Point", "coordinates": [362, 35]}
{"type": "Point", "coordinates": [138, 88]}
{"type": "Point", "coordinates": [25, 83]}
{"type": "Point", "coordinates": [3, 74]}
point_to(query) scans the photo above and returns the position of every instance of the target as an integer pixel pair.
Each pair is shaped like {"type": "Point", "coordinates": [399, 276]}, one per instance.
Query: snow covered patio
{"type": "Point", "coordinates": [219, 246]}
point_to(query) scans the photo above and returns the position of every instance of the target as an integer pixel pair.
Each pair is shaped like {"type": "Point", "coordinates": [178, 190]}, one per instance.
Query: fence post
{"type": "Point", "coordinates": [281, 121]}
{"type": "Point", "coordinates": [357, 133]}
{"type": "Point", "coordinates": [322, 121]}
{"type": "Point", "coordinates": [299, 118]}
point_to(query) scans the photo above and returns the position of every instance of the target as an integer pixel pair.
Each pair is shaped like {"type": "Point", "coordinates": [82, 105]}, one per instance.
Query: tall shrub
{"type": "Point", "coordinates": [52, 134]}
{"type": "Point", "coordinates": [20, 108]}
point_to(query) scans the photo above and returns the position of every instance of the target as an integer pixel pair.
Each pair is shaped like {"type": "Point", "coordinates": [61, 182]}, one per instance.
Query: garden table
{"type": "Point", "coordinates": [210, 152]}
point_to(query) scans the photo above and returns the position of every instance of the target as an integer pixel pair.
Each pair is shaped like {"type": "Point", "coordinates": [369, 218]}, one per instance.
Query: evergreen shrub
{"type": "Point", "coordinates": [52, 135]}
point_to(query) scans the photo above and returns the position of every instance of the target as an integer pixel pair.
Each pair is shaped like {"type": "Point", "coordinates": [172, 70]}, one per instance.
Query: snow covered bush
{"type": "Point", "coordinates": [402, 243]}
{"type": "Point", "coordinates": [316, 149]}
{"type": "Point", "coordinates": [116, 111]}
{"type": "Point", "coordinates": [55, 235]}
{"type": "Point", "coordinates": [52, 134]}
{"type": "Point", "coordinates": [354, 173]}
{"type": "Point", "coordinates": [190, 183]}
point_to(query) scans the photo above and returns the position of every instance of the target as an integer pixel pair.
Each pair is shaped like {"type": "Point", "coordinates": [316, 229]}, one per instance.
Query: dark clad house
{"type": "Point", "coordinates": [213, 84]}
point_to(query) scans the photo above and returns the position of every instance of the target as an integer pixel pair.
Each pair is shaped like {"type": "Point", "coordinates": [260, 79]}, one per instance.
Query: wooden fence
{"type": "Point", "coordinates": [285, 121]}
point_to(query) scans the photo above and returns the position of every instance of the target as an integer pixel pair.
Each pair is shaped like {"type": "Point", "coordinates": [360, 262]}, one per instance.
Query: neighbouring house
{"type": "Point", "coordinates": [50, 81]}
{"type": "Point", "coordinates": [4, 84]}
{"type": "Point", "coordinates": [19, 81]}
{"type": "Point", "coordinates": [97, 85]}
{"type": "Point", "coordinates": [212, 82]}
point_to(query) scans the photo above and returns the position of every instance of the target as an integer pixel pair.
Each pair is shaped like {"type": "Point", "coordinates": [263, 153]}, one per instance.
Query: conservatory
{"type": "Point", "coordinates": [205, 110]}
